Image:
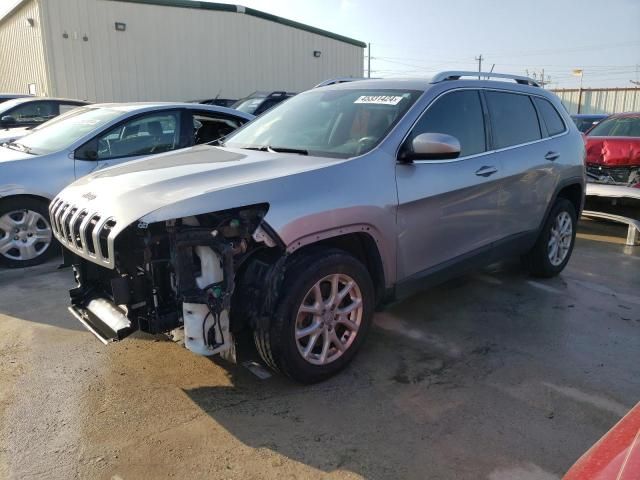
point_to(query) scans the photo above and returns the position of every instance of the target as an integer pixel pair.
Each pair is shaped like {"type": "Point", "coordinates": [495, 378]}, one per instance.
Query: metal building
{"type": "Point", "coordinates": [600, 100]}
{"type": "Point", "coordinates": [137, 50]}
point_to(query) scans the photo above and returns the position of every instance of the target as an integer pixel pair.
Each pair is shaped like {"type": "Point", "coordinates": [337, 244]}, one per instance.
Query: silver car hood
{"type": "Point", "coordinates": [10, 155]}
{"type": "Point", "coordinates": [188, 182]}
{"type": "Point", "coordinates": [14, 133]}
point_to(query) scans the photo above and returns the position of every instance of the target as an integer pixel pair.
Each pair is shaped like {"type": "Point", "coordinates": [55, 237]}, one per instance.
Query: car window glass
{"type": "Point", "coordinates": [144, 135]}
{"type": "Point", "coordinates": [513, 119]}
{"type": "Point", "coordinates": [64, 130]}
{"type": "Point", "coordinates": [66, 107]}
{"type": "Point", "coordinates": [33, 112]}
{"type": "Point", "coordinates": [458, 114]}
{"type": "Point", "coordinates": [209, 127]}
{"type": "Point", "coordinates": [334, 123]}
{"type": "Point", "coordinates": [267, 104]}
{"type": "Point", "coordinates": [550, 116]}
{"type": "Point", "coordinates": [617, 127]}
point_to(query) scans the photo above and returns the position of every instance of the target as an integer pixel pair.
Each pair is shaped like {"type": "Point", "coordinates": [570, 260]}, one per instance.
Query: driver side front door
{"type": "Point", "coordinates": [447, 209]}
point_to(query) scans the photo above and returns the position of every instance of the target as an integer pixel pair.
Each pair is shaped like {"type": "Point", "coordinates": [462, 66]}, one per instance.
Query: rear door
{"type": "Point", "coordinates": [448, 208]}
{"type": "Point", "coordinates": [527, 153]}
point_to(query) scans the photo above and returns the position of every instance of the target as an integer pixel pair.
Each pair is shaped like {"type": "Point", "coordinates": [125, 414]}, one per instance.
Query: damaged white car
{"type": "Point", "coordinates": [303, 221]}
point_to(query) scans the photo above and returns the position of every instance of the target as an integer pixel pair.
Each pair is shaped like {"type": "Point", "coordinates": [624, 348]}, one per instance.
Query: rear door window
{"type": "Point", "coordinates": [513, 119]}
{"type": "Point", "coordinates": [458, 114]}
{"type": "Point", "coordinates": [208, 127]}
{"type": "Point", "coordinates": [550, 116]}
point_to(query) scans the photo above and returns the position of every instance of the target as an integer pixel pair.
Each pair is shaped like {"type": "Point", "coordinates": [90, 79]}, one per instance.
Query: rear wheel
{"type": "Point", "coordinates": [322, 318]}
{"type": "Point", "coordinates": [26, 238]}
{"type": "Point", "coordinates": [553, 248]}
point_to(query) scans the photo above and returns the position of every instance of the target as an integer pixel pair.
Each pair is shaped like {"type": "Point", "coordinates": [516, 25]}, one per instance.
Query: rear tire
{"type": "Point", "coordinates": [322, 318]}
{"type": "Point", "coordinates": [26, 238]}
{"type": "Point", "coordinates": [554, 246]}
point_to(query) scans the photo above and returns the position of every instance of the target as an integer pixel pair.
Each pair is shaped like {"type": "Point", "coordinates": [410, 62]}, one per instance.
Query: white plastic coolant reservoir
{"type": "Point", "coordinates": [196, 316]}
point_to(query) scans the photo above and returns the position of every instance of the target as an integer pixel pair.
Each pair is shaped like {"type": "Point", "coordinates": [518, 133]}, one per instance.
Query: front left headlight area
{"type": "Point", "coordinates": [171, 274]}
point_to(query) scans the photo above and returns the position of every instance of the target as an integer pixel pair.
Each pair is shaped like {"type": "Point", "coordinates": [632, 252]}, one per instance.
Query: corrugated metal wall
{"type": "Point", "coordinates": [169, 53]}
{"type": "Point", "coordinates": [21, 51]}
{"type": "Point", "coordinates": [601, 100]}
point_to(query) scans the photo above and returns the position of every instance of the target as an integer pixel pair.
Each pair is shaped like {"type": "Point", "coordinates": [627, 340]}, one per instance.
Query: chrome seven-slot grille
{"type": "Point", "coordinates": [84, 232]}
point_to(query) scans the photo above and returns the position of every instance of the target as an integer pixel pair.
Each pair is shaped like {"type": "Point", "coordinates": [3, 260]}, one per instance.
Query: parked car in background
{"type": "Point", "coordinates": [585, 121]}
{"type": "Point", "coordinates": [613, 150]}
{"type": "Point", "coordinates": [335, 201]}
{"type": "Point", "coordinates": [259, 102]}
{"type": "Point", "coordinates": [220, 102]}
{"type": "Point", "coordinates": [38, 165]}
{"type": "Point", "coordinates": [616, 456]}
{"type": "Point", "coordinates": [20, 115]}
{"type": "Point", "coordinates": [10, 96]}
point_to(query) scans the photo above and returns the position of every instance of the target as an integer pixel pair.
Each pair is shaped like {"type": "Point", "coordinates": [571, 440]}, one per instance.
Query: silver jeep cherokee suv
{"type": "Point", "coordinates": [299, 224]}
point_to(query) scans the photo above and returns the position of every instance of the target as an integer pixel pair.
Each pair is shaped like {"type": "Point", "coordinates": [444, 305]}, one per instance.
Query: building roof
{"type": "Point", "coordinates": [222, 7]}
{"type": "Point", "coordinates": [225, 7]}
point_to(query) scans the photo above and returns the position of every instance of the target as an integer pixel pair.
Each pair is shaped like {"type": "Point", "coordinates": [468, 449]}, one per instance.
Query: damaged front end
{"type": "Point", "coordinates": [172, 274]}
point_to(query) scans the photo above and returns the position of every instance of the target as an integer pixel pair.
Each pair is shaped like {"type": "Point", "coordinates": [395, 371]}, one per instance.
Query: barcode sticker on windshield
{"type": "Point", "coordinates": [379, 99]}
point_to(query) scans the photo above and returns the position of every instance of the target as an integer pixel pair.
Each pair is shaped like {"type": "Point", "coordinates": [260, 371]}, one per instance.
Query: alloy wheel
{"type": "Point", "coordinates": [24, 235]}
{"type": "Point", "coordinates": [560, 239]}
{"type": "Point", "coordinates": [329, 319]}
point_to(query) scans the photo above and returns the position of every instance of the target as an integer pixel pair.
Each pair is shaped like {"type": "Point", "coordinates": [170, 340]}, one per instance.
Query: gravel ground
{"type": "Point", "coordinates": [491, 376]}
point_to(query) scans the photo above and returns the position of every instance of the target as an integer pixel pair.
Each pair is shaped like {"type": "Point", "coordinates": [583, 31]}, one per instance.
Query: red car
{"type": "Point", "coordinates": [613, 150]}
{"type": "Point", "coordinates": [616, 456]}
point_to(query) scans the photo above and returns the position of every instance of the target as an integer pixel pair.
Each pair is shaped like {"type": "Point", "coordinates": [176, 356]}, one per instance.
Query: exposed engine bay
{"type": "Point", "coordinates": [182, 273]}
{"type": "Point", "coordinates": [628, 176]}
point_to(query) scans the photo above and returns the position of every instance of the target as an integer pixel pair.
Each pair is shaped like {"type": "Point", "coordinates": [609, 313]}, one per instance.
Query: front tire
{"type": "Point", "coordinates": [322, 318]}
{"type": "Point", "coordinates": [554, 246]}
{"type": "Point", "coordinates": [26, 238]}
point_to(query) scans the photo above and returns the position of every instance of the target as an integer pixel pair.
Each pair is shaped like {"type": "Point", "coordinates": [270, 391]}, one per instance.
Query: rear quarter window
{"type": "Point", "coordinates": [550, 116]}
{"type": "Point", "coordinates": [513, 119]}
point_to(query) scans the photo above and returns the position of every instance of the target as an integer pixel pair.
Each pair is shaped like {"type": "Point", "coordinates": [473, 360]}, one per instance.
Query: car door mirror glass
{"type": "Point", "coordinates": [431, 146]}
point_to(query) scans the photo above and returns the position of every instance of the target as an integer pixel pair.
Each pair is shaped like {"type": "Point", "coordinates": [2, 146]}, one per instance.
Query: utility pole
{"type": "Point", "coordinates": [368, 60]}
{"type": "Point", "coordinates": [541, 78]}
{"type": "Point", "coordinates": [479, 59]}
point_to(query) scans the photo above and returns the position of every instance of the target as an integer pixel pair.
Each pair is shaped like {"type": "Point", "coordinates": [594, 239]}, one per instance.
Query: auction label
{"type": "Point", "coordinates": [379, 99]}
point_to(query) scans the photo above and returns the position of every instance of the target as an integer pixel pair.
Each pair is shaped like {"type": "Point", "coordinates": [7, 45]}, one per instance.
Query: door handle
{"type": "Point", "coordinates": [486, 171]}
{"type": "Point", "coordinates": [551, 156]}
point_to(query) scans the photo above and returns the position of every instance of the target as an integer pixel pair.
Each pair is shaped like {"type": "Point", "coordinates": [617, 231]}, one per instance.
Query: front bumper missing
{"type": "Point", "coordinates": [104, 319]}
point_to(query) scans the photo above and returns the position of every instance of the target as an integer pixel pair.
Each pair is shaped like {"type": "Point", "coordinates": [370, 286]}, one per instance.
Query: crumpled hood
{"type": "Point", "coordinates": [613, 151]}
{"type": "Point", "coordinates": [188, 182]}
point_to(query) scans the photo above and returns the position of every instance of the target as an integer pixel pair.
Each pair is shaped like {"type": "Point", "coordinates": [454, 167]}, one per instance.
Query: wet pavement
{"type": "Point", "coordinates": [491, 376]}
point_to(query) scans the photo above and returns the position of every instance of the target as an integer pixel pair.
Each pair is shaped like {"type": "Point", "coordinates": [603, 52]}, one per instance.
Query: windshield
{"type": "Point", "coordinates": [617, 127]}
{"type": "Point", "coordinates": [333, 123]}
{"type": "Point", "coordinates": [62, 132]}
{"type": "Point", "coordinates": [248, 105]}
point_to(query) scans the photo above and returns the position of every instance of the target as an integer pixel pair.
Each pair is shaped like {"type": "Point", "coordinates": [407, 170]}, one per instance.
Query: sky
{"type": "Point", "coordinates": [421, 37]}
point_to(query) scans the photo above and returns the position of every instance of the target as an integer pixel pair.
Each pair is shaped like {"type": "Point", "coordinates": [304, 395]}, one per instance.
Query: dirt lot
{"type": "Point", "coordinates": [492, 376]}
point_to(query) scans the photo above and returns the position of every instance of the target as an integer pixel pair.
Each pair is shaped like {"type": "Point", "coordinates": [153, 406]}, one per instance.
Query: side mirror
{"type": "Point", "coordinates": [7, 121]}
{"type": "Point", "coordinates": [431, 146]}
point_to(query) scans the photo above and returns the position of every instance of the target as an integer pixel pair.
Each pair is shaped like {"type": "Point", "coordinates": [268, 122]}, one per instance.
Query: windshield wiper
{"type": "Point", "coordinates": [269, 148]}
{"type": "Point", "coordinates": [18, 146]}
